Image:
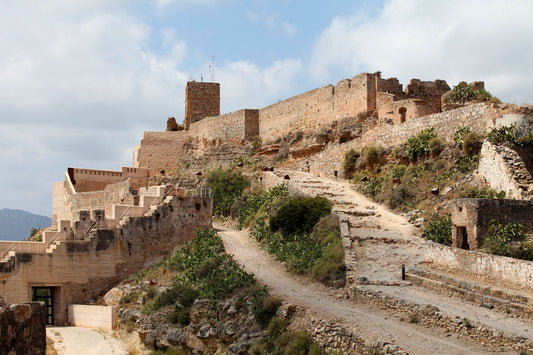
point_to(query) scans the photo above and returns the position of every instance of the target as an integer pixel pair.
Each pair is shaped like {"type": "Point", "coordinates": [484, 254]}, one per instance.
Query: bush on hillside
{"type": "Point", "coordinates": [350, 158]}
{"type": "Point", "coordinates": [439, 229]}
{"type": "Point", "coordinates": [226, 187]}
{"type": "Point", "coordinates": [418, 146]}
{"type": "Point", "coordinates": [435, 146]}
{"type": "Point", "coordinates": [471, 143]}
{"type": "Point", "coordinates": [508, 240]}
{"type": "Point", "coordinates": [299, 215]}
{"type": "Point", "coordinates": [371, 155]}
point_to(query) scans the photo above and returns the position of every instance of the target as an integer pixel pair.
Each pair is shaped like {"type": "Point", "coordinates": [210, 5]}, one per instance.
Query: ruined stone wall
{"type": "Point", "coordinates": [475, 215]}
{"type": "Point", "coordinates": [505, 170]}
{"type": "Point", "coordinates": [201, 100]}
{"type": "Point", "coordinates": [22, 329]}
{"type": "Point", "coordinates": [519, 272]}
{"type": "Point", "coordinates": [81, 270]}
{"type": "Point", "coordinates": [478, 117]}
{"type": "Point", "coordinates": [237, 126]}
{"type": "Point", "coordinates": [312, 110]}
{"type": "Point", "coordinates": [160, 150]}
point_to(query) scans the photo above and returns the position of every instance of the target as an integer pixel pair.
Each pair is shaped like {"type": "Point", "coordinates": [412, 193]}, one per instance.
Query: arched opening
{"type": "Point", "coordinates": [403, 112]}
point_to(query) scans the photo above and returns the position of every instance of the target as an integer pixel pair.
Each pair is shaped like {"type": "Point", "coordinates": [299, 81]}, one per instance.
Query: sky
{"type": "Point", "coordinates": [80, 81]}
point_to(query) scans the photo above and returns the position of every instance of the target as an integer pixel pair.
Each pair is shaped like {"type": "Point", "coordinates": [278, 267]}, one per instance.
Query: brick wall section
{"type": "Point", "coordinates": [201, 100]}
{"type": "Point", "coordinates": [237, 126]}
{"type": "Point", "coordinates": [519, 272]}
{"type": "Point", "coordinates": [505, 170]}
{"type": "Point", "coordinates": [82, 270]}
{"type": "Point", "coordinates": [478, 117]}
{"type": "Point", "coordinates": [22, 329]}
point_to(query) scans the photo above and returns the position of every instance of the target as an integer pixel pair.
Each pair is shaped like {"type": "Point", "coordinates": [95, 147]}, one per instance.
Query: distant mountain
{"type": "Point", "coordinates": [17, 224]}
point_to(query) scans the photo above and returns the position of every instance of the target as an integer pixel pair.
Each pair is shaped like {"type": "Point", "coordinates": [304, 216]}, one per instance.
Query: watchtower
{"type": "Point", "coordinates": [201, 100]}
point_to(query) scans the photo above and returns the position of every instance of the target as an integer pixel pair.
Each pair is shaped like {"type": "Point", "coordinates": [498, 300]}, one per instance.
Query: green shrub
{"type": "Point", "coordinates": [301, 344]}
{"type": "Point", "coordinates": [435, 146]}
{"type": "Point", "coordinates": [401, 196]}
{"type": "Point", "coordinates": [181, 316]}
{"type": "Point", "coordinates": [226, 187]}
{"type": "Point", "coordinates": [509, 136]}
{"type": "Point", "coordinates": [398, 171]}
{"type": "Point", "coordinates": [507, 240]}
{"type": "Point", "coordinates": [265, 308]}
{"type": "Point", "coordinates": [418, 146]}
{"type": "Point", "coordinates": [459, 134]}
{"type": "Point", "coordinates": [484, 193]}
{"type": "Point", "coordinates": [277, 326]}
{"type": "Point", "coordinates": [371, 155]}
{"type": "Point", "coordinates": [372, 186]}
{"type": "Point", "coordinates": [260, 203]}
{"type": "Point", "coordinates": [350, 158]}
{"type": "Point", "coordinates": [439, 229]}
{"type": "Point", "coordinates": [299, 215]}
{"type": "Point", "coordinates": [471, 143]}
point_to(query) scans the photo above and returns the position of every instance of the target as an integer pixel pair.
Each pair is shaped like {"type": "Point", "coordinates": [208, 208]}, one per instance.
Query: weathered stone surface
{"type": "Point", "coordinates": [22, 328]}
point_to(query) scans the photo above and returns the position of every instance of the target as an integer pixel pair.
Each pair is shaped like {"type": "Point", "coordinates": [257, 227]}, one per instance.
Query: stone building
{"type": "Point", "coordinates": [471, 218]}
{"type": "Point", "coordinates": [106, 226]}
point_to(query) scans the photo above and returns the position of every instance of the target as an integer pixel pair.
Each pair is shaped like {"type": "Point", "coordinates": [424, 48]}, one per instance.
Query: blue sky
{"type": "Point", "coordinates": [80, 81]}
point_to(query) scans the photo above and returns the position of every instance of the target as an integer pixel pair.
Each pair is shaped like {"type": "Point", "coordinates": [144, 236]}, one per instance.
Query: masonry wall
{"type": "Point", "coordinates": [90, 316]}
{"type": "Point", "coordinates": [22, 329]}
{"type": "Point", "coordinates": [201, 100]}
{"type": "Point", "coordinates": [160, 150]}
{"type": "Point", "coordinates": [478, 117]}
{"type": "Point", "coordinates": [476, 214]}
{"type": "Point", "coordinates": [86, 180]}
{"type": "Point", "coordinates": [312, 110]}
{"type": "Point", "coordinates": [80, 271]}
{"type": "Point", "coordinates": [505, 170]}
{"type": "Point", "coordinates": [499, 268]}
{"type": "Point", "coordinates": [237, 126]}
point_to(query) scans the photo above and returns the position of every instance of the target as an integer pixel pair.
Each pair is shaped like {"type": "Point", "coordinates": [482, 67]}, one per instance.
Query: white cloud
{"type": "Point", "coordinates": [245, 85]}
{"type": "Point", "coordinates": [273, 23]}
{"type": "Point", "coordinates": [454, 40]}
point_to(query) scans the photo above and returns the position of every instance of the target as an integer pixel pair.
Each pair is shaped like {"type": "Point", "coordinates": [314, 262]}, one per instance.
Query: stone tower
{"type": "Point", "coordinates": [201, 100]}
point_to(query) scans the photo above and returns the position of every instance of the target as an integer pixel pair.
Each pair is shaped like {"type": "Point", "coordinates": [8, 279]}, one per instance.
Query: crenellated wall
{"type": "Point", "coordinates": [81, 270]}
{"type": "Point", "coordinates": [86, 180]}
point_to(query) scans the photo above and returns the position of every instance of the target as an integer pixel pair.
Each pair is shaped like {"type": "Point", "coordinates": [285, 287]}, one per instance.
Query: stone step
{"type": "Point", "coordinates": [484, 295]}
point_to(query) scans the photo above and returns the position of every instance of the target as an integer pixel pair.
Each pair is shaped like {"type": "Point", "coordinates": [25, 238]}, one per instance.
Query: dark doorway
{"type": "Point", "coordinates": [462, 238]}
{"type": "Point", "coordinates": [403, 112]}
{"type": "Point", "coordinates": [46, 295]}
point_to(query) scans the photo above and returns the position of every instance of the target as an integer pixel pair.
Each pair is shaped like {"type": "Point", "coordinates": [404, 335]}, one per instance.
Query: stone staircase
{"type": "Point", "coordinates": [517, 302]}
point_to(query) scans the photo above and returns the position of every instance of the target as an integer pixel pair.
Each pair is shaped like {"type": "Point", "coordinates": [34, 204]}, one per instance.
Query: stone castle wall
{"type": "Point", "coordinates": [312, 110]}
{"type": "Point", "coordinates": [160, 150]}
{"type": "Point", "coordinates": [237, 126]}
{"type": "Point", "coordinates": [81, 270]}
{"type": "Point", "coordinates": [478, 117]}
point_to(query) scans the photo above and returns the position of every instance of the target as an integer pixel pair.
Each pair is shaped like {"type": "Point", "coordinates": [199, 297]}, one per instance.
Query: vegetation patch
{"type": "Point", "coordinates": [439, 229]}
{"type": "Point", "coordinates": [226, 187]}
{"type": "Point", "coordinates": [508, 240]}
{"type": "Point", "coordinates": [300, 231]}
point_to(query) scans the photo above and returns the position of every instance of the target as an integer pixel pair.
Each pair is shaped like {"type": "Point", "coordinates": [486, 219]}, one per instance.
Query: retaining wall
{"type": "Point", "coordinates": [95, 317]}
{"type": "Point", "coordinates": [496, 267]}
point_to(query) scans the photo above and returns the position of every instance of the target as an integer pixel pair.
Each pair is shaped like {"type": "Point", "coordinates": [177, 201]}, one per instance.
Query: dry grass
{"type": "Point", "coordinates": [50, 350]}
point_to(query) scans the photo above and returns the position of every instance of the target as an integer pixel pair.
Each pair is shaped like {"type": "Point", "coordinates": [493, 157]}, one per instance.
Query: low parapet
{"type": "Point", "coordinates": [86, 180]}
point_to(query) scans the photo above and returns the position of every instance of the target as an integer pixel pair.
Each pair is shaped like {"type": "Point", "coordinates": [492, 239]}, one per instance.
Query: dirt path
{"type": "Point", "coordinates": [368, 322]}
{"type": "Point", "coordinates": [75, 341]}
